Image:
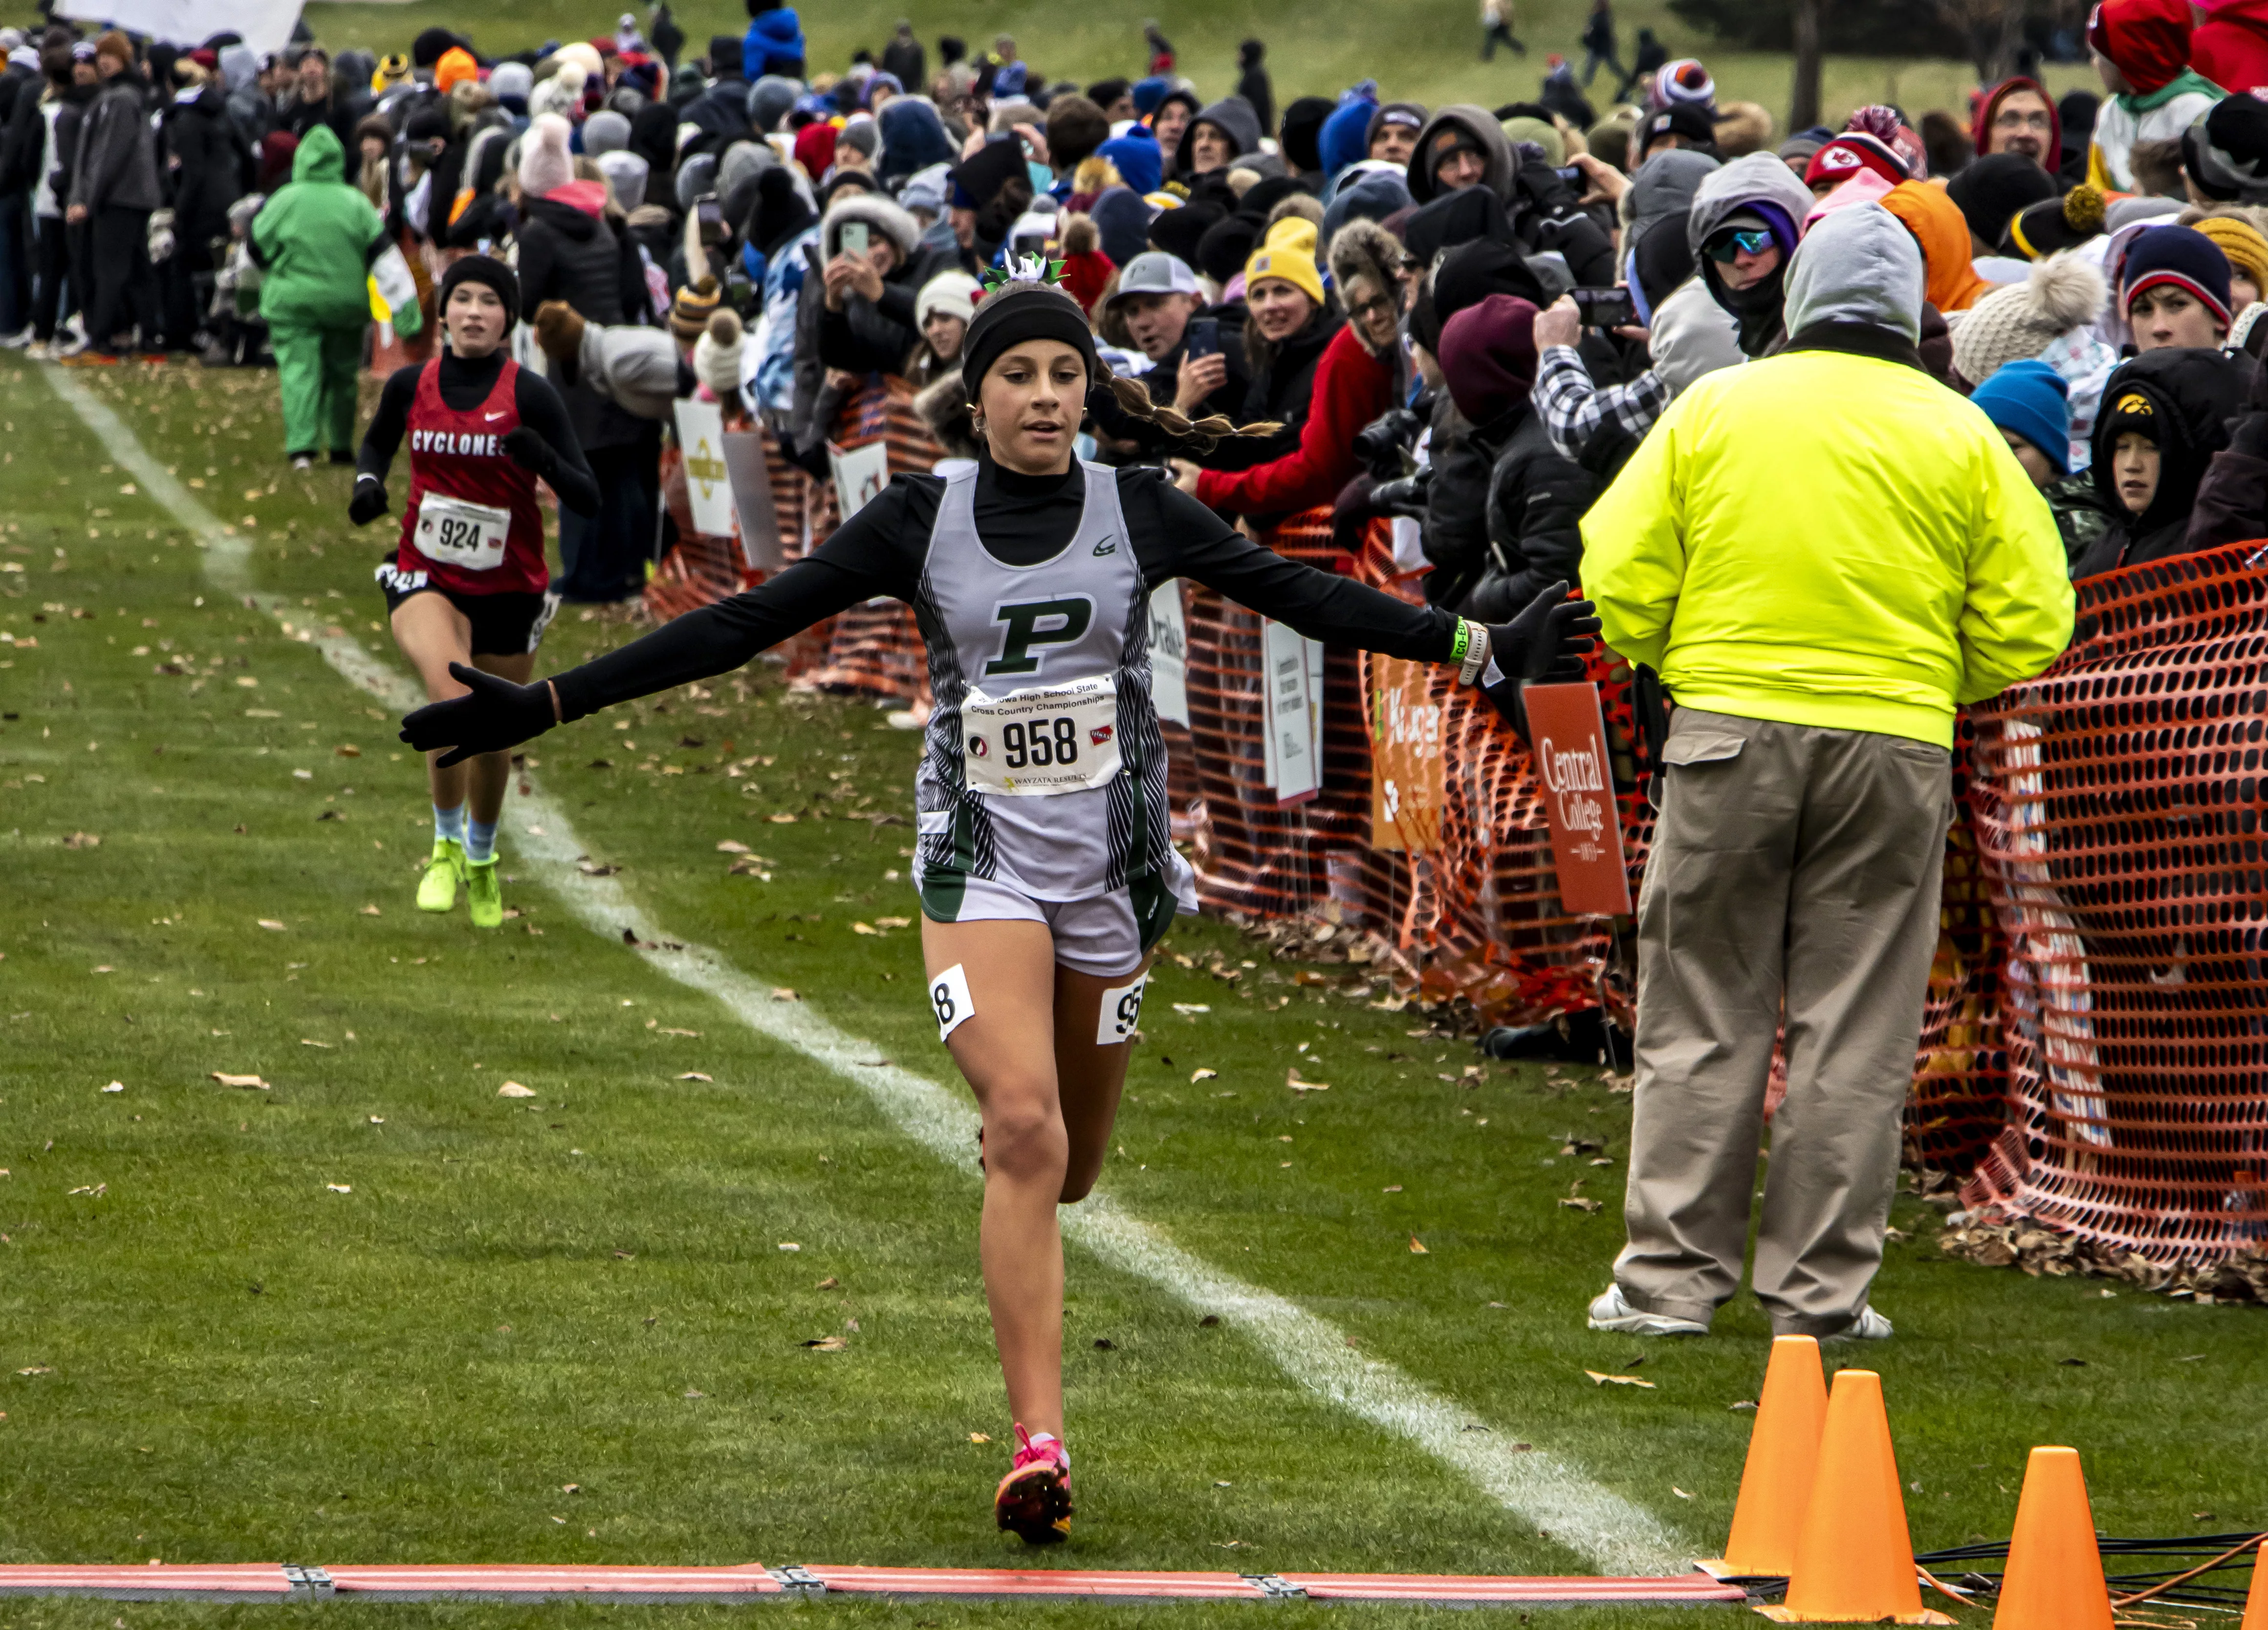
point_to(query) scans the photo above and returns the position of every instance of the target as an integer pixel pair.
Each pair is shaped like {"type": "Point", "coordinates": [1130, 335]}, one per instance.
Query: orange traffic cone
{"type": "Point", "coordinates": [2255, 1601]}
{"type": "Point", "coordinates": [2054, 1580]}
{"type": "Point", "coordinates": [1783, 1452]}
{"type": "Point", "coordinates": [1854, 1558]}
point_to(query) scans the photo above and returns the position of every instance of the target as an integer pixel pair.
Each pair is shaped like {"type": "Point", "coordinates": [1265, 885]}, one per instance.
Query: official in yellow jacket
{"type": "Point", "coordinates": [1823, 554]}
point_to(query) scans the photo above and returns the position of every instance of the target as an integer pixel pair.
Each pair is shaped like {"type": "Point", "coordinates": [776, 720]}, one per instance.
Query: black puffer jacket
{"type": "Point", "coordinates": [1282, 387]}
{"type": "Point", "coordinates": [1455, 534]}
{"type": "Point", "coordinates": [1536, 507]}
{"type": "Point", "coordinates": [565, 254]}
{"type": "Point", "coordinates": [207, 169]}
{"type": "Point", "coordinates": [875, 336]}
{"type": "Point", "coordinates": [1531, 532]}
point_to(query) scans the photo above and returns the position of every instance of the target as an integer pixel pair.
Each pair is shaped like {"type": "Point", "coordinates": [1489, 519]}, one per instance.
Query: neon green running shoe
{"type": "Point", "coordinates": [437, 889]}
{"type": "Point", "coordinates": [483, 894]}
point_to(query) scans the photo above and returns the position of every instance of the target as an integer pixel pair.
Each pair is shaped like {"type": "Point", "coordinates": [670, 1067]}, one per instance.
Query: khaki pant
{"type": "Point", "coordinates": [1794, 879]}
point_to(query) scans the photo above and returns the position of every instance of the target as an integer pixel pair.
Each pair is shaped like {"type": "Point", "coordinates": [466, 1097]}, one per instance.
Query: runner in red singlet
{"type": "Point", "coordinates": [468, 582]}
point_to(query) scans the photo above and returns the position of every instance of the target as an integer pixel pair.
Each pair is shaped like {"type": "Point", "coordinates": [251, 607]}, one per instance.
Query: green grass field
{"type": "Point", "coordinates": [376, 1312]}
{"type": "Point", "coordinates": [1424, 50]}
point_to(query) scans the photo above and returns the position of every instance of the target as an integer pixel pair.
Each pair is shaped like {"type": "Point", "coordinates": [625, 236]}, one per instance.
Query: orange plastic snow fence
{"type": "Point", "coordinates": [2118, 803]}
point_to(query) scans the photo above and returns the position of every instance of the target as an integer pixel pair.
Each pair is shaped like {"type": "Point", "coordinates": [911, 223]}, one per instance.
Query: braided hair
{"type": "Point", "coordinates": [1030, 308]}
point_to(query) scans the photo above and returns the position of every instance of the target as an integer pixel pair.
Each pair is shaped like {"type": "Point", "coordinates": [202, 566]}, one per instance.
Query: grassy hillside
{"type": "Point", "coordinates": [1428, 49]}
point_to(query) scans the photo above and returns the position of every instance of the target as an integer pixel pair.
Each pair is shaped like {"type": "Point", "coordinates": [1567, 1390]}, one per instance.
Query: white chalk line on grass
{"type": "Point", "coordinates": [1615, 1534]}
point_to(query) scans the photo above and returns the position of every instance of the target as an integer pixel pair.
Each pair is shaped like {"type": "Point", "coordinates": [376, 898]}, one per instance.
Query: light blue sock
{"type": "Point", "coordinates": [480, 843]}
{"type": "Point", "coordinates": [449, 823]}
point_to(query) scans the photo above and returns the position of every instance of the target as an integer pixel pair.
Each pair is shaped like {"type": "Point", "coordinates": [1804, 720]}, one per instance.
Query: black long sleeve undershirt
{"type": "Point", "coordinates": [1023, 520]}
{"type": "Point", "coordinates": [464, 385]}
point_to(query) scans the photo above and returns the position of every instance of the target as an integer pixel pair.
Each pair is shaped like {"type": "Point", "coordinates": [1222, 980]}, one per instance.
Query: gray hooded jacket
{"type": "Point", "coordinates": [1663, 187]}
{"type": "Point", "coordinates": [1486, 133]}
{"type": "Point", "coordinates": [1232, 114]}
{"type": "Point", "coordinates": [1859, 265]}
{"type": "Point", "coordinates": [1757, 178]}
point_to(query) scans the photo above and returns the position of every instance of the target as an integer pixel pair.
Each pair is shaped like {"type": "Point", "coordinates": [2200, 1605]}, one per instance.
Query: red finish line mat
{"type": "Point", "coordinates": [276, 1582]}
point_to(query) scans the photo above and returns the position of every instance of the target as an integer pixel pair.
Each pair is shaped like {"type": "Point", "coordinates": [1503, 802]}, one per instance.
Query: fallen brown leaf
{"type": "Point", "coordinates": [694, 1075]}
{"type": "Point", "coordinates": [1603, 1380]}
{"type": "Point", "coordinates": [1418, 1247]}
{"type": "Point", "coordinates": [227, 1080]}
{"type": "Point", "coordinates": [513, 1090]}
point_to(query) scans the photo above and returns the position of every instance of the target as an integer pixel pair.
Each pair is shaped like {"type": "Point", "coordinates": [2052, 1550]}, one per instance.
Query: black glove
{"type": "Point", "coordinates": [1543, 645]}
{"type": "Point", "coordinates": [1406, 497]}
{"type": "Point", "coordinates": [369, 500]}
{"type": "Point", "coordinates": [531, 451]}
{"type": "Point", "coordinates": [497, 715]}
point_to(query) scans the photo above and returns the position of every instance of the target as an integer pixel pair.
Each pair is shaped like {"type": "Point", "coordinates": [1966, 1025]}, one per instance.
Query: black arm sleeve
{"type": "Point", "coordinates": [867, 555]}
{"type": "Point", "coordinates": [389, 424]}
{"type": "Point", "coordinates": [1175, 536]}
{"type": "Point", "coordinates": [542, 411]}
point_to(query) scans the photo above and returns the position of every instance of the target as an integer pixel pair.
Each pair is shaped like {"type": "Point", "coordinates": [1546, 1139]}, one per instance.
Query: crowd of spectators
{"type": "Point", "coordinates": [1466, 317]}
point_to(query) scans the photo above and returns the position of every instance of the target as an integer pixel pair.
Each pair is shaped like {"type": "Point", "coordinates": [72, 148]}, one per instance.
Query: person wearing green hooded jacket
{"type": "Point", "coordinates": [315, 241]}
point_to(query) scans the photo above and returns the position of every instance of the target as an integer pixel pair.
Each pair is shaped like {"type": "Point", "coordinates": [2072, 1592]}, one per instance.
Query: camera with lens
{"type": "Point", "coordinates": [1383, 444]}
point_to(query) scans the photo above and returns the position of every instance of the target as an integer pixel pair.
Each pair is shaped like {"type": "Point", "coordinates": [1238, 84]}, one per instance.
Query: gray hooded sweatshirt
{"type": "Point", "coordinates": [1232, 114]}
{"type": "Point", "coordinates": [1664, 186]}
{"type": "Point", "coordinates": [1486, 133]}
{"type": "Point", "coordinates": [1757, 178]}
{"type": "Point", "coordinates": [1859, 265]}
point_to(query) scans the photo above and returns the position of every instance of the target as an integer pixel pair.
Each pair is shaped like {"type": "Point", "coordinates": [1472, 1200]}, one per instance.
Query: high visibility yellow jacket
{"type": "Point", "coordinates": [1829, 539]}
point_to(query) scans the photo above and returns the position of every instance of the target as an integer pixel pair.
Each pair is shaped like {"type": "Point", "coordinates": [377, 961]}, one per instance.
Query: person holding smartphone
{"type": "Point", "coordinates": [1199, 362]}
{"type": "Point", "coordinates": [871, 269]}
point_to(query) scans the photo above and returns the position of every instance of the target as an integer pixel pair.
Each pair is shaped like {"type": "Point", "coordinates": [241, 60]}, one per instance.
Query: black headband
{"type": "Point", "coordinates": [480, 268]}
{"type": "Point", "coordinates": [1019, 312]}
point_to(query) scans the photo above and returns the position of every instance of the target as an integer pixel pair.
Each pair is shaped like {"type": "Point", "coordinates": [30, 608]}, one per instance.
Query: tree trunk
{"type": "Point", "coordinates": [1804, 111]}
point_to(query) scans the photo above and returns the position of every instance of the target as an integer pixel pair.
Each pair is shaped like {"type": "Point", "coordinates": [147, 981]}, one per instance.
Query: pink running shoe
{"type": "Point", "coordinates": [1034, 1500]}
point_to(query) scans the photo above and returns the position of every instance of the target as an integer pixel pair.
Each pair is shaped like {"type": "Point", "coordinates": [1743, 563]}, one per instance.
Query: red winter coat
{"type": "Point", "coordinates": [2230, 48]}
{"type": "Point", "coordinates": [1352, 388]}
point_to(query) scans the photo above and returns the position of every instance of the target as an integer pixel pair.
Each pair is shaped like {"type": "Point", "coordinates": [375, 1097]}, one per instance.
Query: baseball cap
{"type": "Point", "coordinates": [1155, 272]}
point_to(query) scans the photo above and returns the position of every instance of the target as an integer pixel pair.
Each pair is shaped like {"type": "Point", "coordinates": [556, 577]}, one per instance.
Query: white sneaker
{"type": "Point", "coordinates": [63, 348]}
{"type": "Point", "coordinates": [301, 461]}
{"type": "Point", "coordinates": [1868, 1327]}
{"type": "Point", "coordinates": [39, 351]}
{"type": "Point", "coordinates": [1610, 1311]}
{"type": "Point", "coordinates": [18, 340]}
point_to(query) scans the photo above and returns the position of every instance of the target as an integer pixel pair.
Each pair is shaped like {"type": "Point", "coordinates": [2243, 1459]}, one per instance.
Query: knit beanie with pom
{"type": "Point", "coordinates": [716, 355]}
{"type": "Point", "coordinates": [1685, 80]}
{"type": "Point", "coordinates": [2055, 224]}
{"type": "Point", "coordinates": [544, 164]}
{"type": "Point", "coordinates": [2022, 319]}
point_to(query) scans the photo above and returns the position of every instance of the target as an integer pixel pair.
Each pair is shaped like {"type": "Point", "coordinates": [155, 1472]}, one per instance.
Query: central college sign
{"type": "Point", "coordinates": [1569, 736]}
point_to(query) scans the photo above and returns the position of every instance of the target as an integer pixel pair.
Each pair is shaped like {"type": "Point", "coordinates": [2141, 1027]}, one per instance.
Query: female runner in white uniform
{"type": "Point", "coordinates": [1044, 868]}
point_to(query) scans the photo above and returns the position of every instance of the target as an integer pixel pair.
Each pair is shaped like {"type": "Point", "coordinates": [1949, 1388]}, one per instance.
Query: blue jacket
{"type": "Point", "coordinates": [773, 45]}
{"type": "Point", "coordinates": [1342, 141]}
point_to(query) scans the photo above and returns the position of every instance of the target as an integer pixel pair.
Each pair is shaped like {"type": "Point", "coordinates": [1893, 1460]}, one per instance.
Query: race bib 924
{"type": "Point", "coordinates": [468, 536]}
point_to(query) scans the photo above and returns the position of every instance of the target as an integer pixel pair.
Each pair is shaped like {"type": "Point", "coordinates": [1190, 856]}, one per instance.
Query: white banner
{"type": "Point", "coordinates": [1292, 757]}
{"type": "Point", "coordinates": [1169, 654]}
{"type": "Point", "coordinates": [707, 485]}
{"type": "Point", "coordinates": [266, 25]}
{"type": "Point", "coordinates": [860, 474]}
